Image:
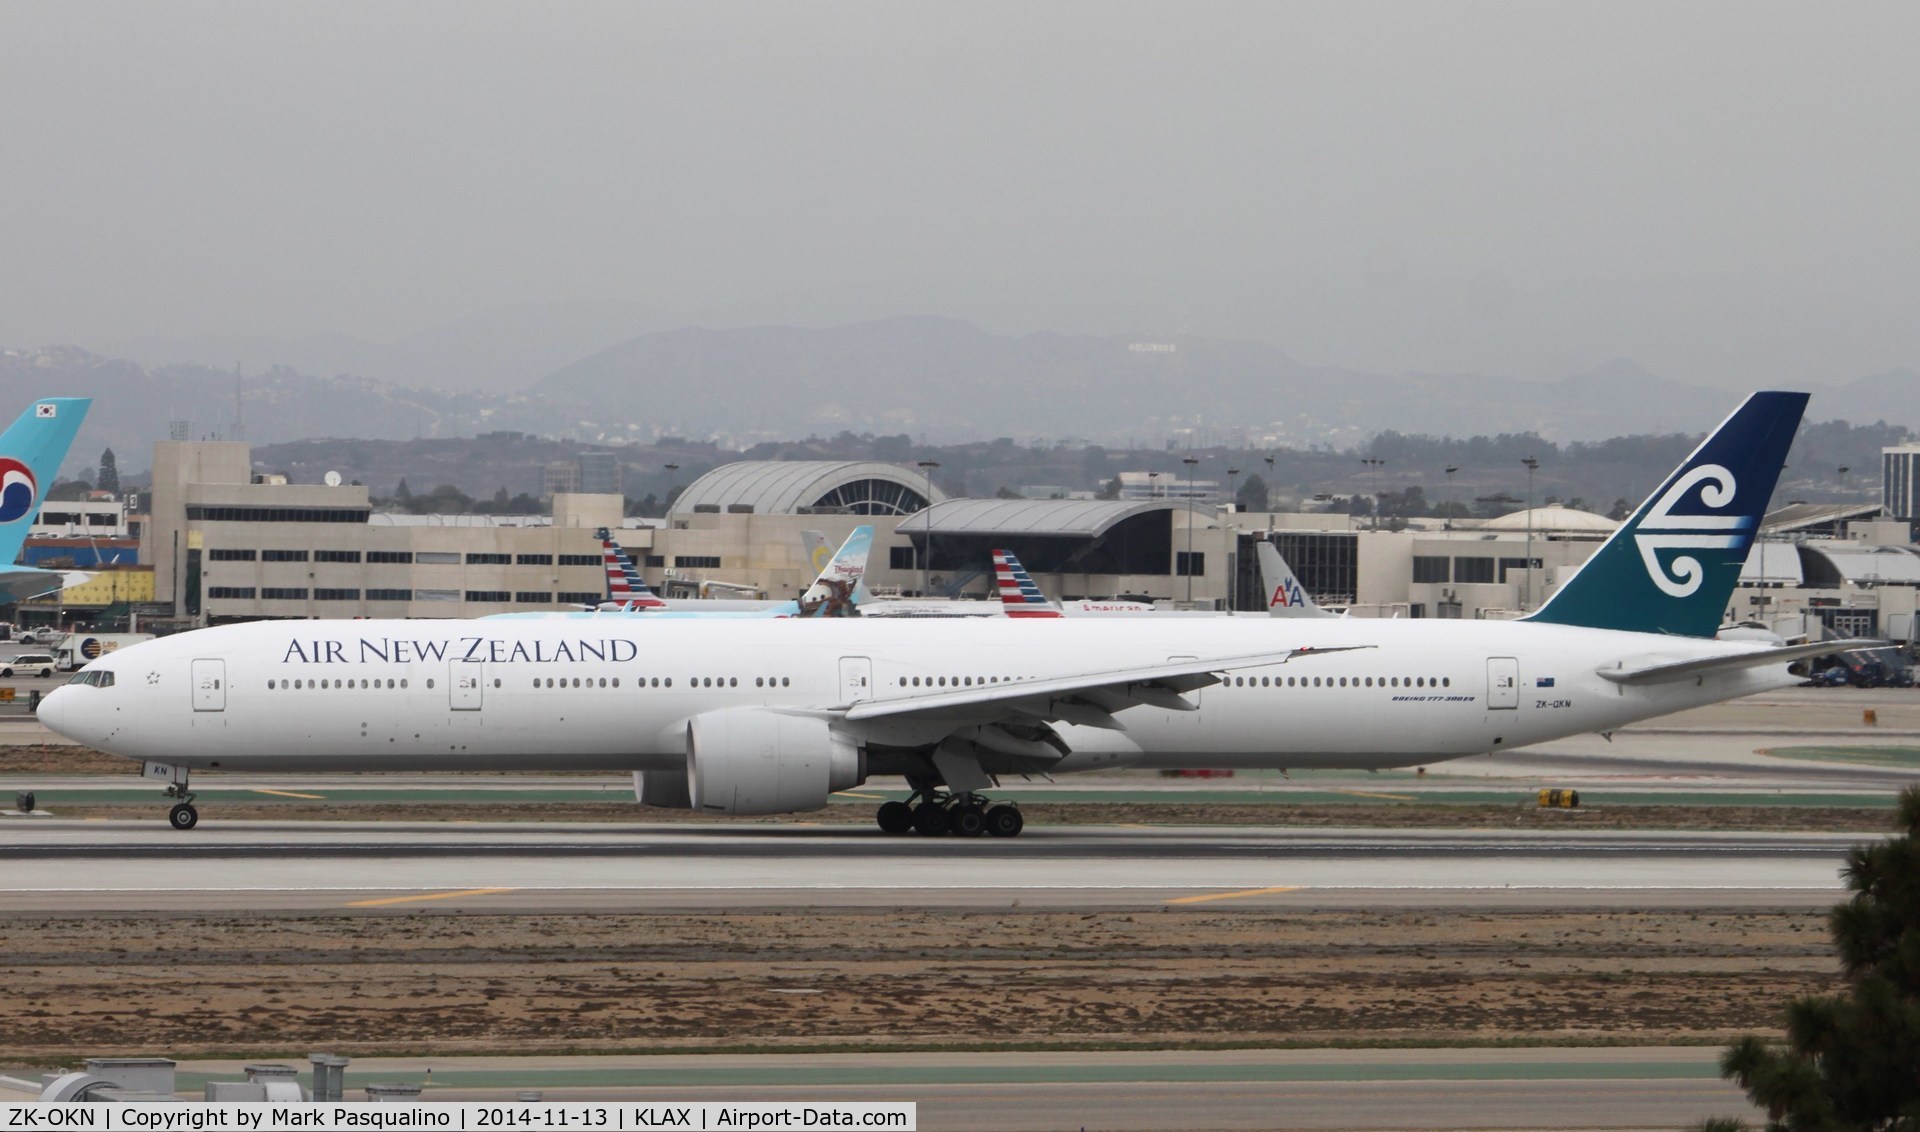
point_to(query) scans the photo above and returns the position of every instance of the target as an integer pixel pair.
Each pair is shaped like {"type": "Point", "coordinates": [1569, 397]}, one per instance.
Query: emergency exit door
{"type": "Point", "coordinates": [464, 684]}
{"type": "Point", "coordinates": [1503, 682]}
{"type": "Point", "coordinates": [856, 679]}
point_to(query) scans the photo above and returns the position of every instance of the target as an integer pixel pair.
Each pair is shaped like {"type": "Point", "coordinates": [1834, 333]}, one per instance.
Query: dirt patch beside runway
{"type": "Point", "coordinates": [451, 980]}
{"type": "Point", "coordinates": [62, 758]}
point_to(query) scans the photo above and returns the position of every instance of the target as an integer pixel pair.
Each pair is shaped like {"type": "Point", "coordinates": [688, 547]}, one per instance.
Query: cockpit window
{"type": "Point", "coordinates": [94, 678]}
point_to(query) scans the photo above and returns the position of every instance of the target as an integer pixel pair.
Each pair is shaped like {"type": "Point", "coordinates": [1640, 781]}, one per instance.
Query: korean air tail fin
{"type": "Point", "coordinates": [626, 590]}
{"type": "Point", "coordinates": [1019, 596]}
{"type": "Point", "coordinates": [835, 592]}
{"type": "Point", "coordinates": [31, 451]}
{"type": "Point", "coordinates": [1672, 566]}
{"type": "Point", "coordinates": [1285, 597]}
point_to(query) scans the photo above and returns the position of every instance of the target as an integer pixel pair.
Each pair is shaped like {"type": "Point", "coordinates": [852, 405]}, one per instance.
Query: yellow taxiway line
{"type": "Point", "coordinates": [1376, 794]}
{"type": "Point", "coordinates": [286, 793]}
{"type": "Point", "coordinates": [1204, 897]}
{"type": "Point", "coordinates": [427, 896]}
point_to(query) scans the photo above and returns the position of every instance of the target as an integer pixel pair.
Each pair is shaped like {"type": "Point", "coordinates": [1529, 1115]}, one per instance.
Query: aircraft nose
{"type": "Point", "coordinates": [54, 711]}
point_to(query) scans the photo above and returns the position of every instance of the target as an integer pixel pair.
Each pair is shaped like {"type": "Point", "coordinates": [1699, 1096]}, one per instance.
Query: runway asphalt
{"type": "Point", "coordinates": [259, 865]}
{"type": "Point", "coordinates": [1615, 1088]}
{"type": "Point", "coordinates": [1792, 747]}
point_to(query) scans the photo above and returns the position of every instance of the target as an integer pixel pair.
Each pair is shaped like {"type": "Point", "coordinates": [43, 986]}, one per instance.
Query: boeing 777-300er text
{"type": "Point", "coordinates": [760, 716]}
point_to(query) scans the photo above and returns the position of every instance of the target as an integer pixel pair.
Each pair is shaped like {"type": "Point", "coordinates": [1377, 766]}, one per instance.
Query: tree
{"type": "Point", "coordinates": [1850, 1059]}
{"type": "Point", "coordinates": [109, 477]}
{"type": "Point", "coordinates": [1006, 493]}
{"type": "Point", "coordinates": [1111, 491]}
{"type": "Point", "coordinates": [1253, 495]}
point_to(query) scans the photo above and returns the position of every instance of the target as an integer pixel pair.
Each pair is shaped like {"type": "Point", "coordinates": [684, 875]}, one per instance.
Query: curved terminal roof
{"type": "Point", "coordinates": [783, 487]}
{"type": "Point", "coordinates": [1070, 518]}
{"type": "Point", "coordinates": [1554, 518]}
{"type": "Point", "coordinates": [1772, 562]}
{"type": "Point", "coordinates": [1860, 565]}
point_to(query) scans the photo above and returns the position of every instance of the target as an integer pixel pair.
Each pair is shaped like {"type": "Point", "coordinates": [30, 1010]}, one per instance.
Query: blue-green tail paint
{"type": "Point", "coordinates": [1672, 567]}
{"type": "Point", "coordinates": [30, 454]}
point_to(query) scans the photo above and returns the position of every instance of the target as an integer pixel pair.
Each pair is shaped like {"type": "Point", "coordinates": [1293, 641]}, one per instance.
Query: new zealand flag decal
{"type": "Point", "coordinates": [1543, 682]}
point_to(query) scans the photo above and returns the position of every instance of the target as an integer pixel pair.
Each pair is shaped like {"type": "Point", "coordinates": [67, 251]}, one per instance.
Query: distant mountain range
{"type": "Point", "coordinates": [929, 377]}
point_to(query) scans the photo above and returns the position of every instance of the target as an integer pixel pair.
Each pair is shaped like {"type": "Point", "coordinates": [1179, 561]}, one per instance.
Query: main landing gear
{"type": "Point", "coordinates": [938, 814]}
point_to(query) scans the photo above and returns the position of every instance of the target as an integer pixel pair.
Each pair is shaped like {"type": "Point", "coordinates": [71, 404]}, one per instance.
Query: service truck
{"type": "Point", "coordinates": [76, 649]}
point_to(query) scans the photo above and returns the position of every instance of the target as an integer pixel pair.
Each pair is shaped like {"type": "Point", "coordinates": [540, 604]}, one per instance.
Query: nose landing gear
{"type": "Point", "coordinates": [183, 816]}
{"type": "Point", "coordinates": [937, 814]}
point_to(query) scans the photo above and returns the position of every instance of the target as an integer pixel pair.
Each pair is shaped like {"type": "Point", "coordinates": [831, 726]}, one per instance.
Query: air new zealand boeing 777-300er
{"type": "Point", "coordinates": [764, 716]}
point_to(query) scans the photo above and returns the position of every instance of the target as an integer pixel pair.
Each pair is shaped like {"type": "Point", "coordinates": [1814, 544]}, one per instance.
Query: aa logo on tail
{"type": "Point", "coordinates": [18, 490]}
{"type": "Point", "coordinates": [1682, 574]}
{"type": "Point", "coordinates": [1287, 595]}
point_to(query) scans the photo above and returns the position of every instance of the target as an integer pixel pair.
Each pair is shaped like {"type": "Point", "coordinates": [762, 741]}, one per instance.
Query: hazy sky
{"type": "Point", "coordinates": [1725, 192]}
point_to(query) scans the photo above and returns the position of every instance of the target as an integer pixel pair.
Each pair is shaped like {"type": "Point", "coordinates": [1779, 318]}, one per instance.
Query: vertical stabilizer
{"type": "Point", "coordinates": [1285, 596]}
{"type": "Point", "coordinates": [1019, 596]}
{"type": "Point", "coordinates": [31, 451]}
{"type": "Point", "coordinates": [625, 588]}
{"type": "Point", "coordinates": [834, 592]}
{"type": "Point", "coordinates": [1672, 566]}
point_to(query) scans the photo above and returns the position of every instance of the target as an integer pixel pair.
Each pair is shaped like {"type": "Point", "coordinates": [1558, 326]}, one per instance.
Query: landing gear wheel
{"type": "Point", "coordinates": [930, 820]}
{"type": "Point", "coordinates": [968, 820]}
{"type": "Point", "coordinates": [184, 816]}
{"type": "Point", "coordinates": [1005, 821]}
{"type": "Point", "coordinates": [894, 817]}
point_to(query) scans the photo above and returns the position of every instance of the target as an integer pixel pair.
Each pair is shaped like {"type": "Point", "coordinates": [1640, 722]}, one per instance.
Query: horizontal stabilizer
{"type": "Point", "coordinates": [21, 583]}
{"type": "Point", "coordinates": [1668, 671]}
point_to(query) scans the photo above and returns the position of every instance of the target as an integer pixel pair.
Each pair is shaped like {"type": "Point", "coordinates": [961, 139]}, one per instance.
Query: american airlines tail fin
{"type": "Point", "coordinates": [1285, 597]}
{"type": "Point", "coordinates": [625, 588]}
{"type": "Point", "coordinates": [1018, 594]}
{"type": "Point", "coordinates": [1672, 566]}
{"type": "Point", "coordinates": [31, 451]}
{"type": "Point", "coordinates": [835, 592]}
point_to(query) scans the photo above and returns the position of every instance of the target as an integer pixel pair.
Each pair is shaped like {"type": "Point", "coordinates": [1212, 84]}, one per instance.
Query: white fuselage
{"type": "Point", "coordinates": [620, 692]}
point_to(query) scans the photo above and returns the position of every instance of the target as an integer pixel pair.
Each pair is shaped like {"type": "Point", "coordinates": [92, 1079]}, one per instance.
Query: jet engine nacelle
{"type": "Point", "coordinates": [664, 788]}
{"type": "Point", "coordinates": [757, 761]}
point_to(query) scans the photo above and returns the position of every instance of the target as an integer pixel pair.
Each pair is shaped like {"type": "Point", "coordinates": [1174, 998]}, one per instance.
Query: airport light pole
{"type": "Point", "coordinates": [1190, 461]}
{"type": "Point", "coordinates": [926, 552]}
{"type": "Point", "coordinates": [1533, 465]}
{"type": "Point", "coordinates": [1449, 469]}
{"type": "Point", "coordinates": [1374, 464]}
{"type": "Point", "coordinates": [673, 475]}
{"type": "Point", "coordinates": [1233, 537]}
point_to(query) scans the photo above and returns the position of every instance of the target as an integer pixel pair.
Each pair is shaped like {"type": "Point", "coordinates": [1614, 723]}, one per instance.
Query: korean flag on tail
{"type": "Point", "coordinates": [43, 411]}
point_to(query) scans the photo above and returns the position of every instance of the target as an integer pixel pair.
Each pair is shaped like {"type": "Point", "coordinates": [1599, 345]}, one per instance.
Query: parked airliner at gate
{"type": "Point", "coordinates": [770, 716]}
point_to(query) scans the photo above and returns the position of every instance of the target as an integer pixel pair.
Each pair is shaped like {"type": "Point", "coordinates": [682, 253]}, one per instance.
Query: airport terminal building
{"type": "Point", "coordinates": [219, 542]}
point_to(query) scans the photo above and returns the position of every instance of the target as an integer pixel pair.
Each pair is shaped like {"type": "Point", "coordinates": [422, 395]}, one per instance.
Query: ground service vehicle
{"type": "Point", "coordinates": [76, 649]}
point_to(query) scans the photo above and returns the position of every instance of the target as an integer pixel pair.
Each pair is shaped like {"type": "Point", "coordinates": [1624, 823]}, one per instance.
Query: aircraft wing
{"type": "Point", "coordinates": [19, 583]}
{"type": "Point", "coordinates": [1088, 698]}
{"type": "Point", "coordinates": [1669, 671]}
